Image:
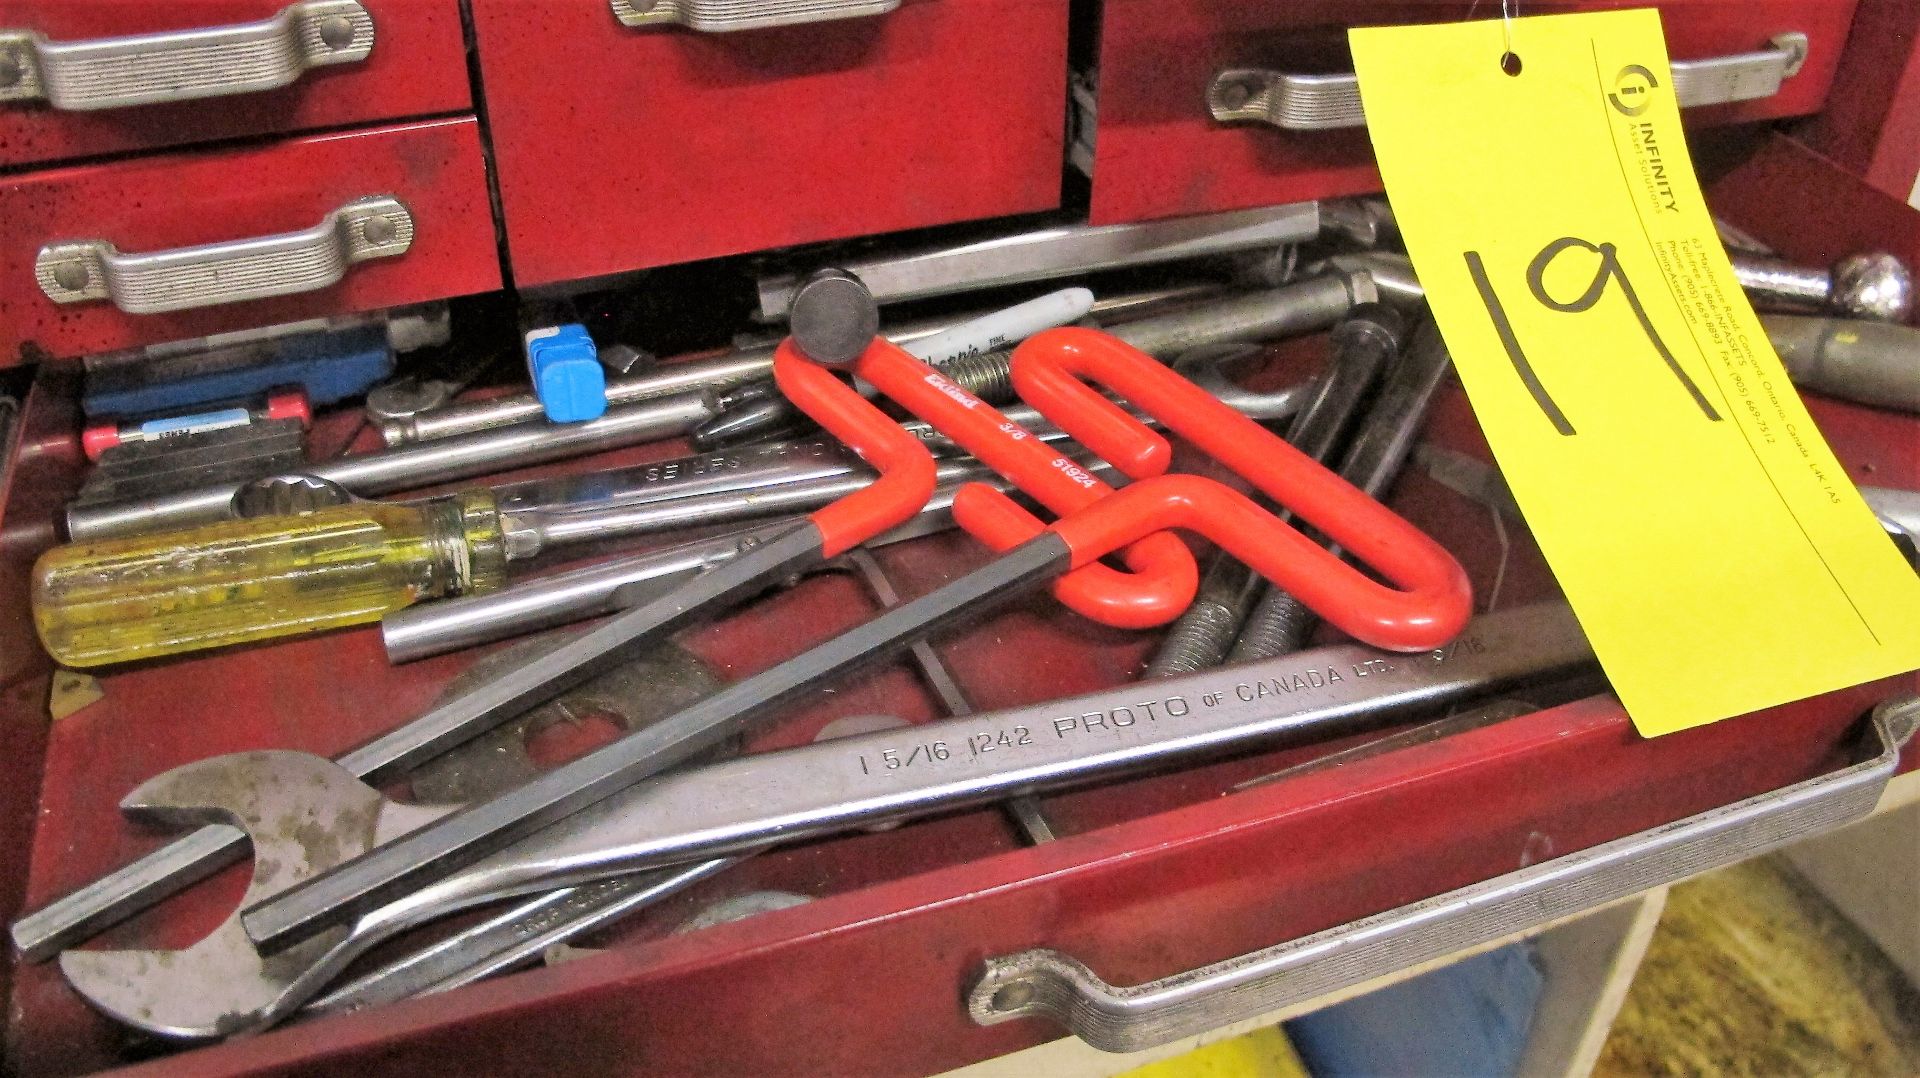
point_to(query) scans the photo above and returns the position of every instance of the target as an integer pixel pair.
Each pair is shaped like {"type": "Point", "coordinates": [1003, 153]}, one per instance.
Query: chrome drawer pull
{"type": "Point", "coordinates": [720, 16]}
{"type": "Point", "coordinates": [1295, 102]}
{"type": "Point", "coordinates": [1114, 1019]}
{"type": "Point", "coordinates": [216, 273]}
{"type": "Point", "coordinates": [183, 65]}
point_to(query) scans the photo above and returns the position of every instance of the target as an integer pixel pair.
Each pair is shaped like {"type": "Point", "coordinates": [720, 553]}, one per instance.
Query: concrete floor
{"type": "Point", "coordinates": [1752, 972]}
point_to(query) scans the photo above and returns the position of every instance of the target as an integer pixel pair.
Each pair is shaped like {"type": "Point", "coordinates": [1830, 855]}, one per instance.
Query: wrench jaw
{"type": "Point", "coordinates": [303, 814]}
{"type": "Point", "coordinates": [216, 988]}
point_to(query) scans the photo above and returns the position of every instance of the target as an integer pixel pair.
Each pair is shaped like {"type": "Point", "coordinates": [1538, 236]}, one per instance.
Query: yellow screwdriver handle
{"type": "Point", "coordinates": [245, 580]}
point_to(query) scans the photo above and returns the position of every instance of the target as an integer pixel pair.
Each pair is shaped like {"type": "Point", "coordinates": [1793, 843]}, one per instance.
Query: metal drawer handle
{"type": "Point", "coordinates": [1113, 1019]}
{"type": "Point", "coordinates": [183, 65]}
{"type": "Point", "coordinates": [1319, 102]}
{"type": "Point", "coordinates": [719, 16]}
{"type": "Point", "coordinates": [304, 261]}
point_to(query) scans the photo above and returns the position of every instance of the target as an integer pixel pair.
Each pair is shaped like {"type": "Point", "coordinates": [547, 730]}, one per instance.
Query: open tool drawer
{"type": "Point", "coordinates": [878, 971]}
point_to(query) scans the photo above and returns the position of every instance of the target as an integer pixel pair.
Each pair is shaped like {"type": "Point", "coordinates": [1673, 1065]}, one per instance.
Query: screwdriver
{"type": "Point", "coordinates": [241, 581]}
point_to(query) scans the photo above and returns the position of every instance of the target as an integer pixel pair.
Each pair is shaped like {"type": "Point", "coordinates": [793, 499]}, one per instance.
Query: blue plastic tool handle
{"type": "Point", "coordinates": [567, 376]}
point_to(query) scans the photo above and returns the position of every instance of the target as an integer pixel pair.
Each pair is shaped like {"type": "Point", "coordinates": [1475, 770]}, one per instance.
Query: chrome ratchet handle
{"type": "Point", "coordinates": [183, 65]}
{"type": "Point", "coordinates": [722, 16]}
{"type": "Point", "coordinates": [81, 271]}
{"type": "Point", "coordinates": [1046, 983]}
{"type": "Point", "coordinates": [1293, 101]}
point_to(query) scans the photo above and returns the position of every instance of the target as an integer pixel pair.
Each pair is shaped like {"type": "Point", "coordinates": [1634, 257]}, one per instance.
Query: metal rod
{"type": "Point", "coordinates": [516, 937]}
{"type": "Point", "coordinates": [443, 847]}
{"type": "Point", "coordinates": [746, 363]}
{"type": "Point", "coordinates": [1280, 622]}
{"type": "Point", "coordinates": [1362, 347]}
{"type": "Point", "coordinates": [390, 470]}
{"type": "Point", "coordinates": [118, 895]}
{"type": "Point", "coordinates": [1065, 251]}
{"type": "Point", "coordinates": [709, 375]}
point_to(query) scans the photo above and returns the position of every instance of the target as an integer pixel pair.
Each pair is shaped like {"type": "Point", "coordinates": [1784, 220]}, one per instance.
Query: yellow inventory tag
{"type": "Point", "coordinates": [1712, 546]}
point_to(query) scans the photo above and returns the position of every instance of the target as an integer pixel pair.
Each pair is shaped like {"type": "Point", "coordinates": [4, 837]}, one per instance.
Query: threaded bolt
{"type": "Point", "coordinates": [1280, 625]}
{"type": "Point", "coordinates": [988, 375]}
{"type": "Point", "coordinates": [1198, 641]}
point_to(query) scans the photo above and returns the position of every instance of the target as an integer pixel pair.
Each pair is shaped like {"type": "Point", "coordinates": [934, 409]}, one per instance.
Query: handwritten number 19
{"type": "Point", "coordinates": [1608, 271]}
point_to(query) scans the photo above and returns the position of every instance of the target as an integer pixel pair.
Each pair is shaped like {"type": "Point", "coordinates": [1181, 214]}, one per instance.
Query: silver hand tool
{"type": "Point", "coordinates": [1897, 510]}
{"type": "Point", "coordinates": [1874, 287]}
{"type": "Point", "coordinates": [391, 470]}
{"type": "Point", "coordinates": [520, 935]}
{"type": "Point", "coordinates": [1064, 251]}
{"type": "Point", "coordinates": [1854, 357]}
{"type": "Point", "coordinates": [287, 495]}
{"type": "Point", "coordinates": [749, 802]}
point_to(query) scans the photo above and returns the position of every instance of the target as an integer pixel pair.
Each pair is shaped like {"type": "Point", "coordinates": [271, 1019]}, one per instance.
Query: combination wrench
{"type": "Point", "coordinates": [305, 814]}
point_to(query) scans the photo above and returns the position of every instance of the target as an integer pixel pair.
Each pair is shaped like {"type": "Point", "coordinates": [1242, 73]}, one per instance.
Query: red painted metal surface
{"type": "Point", "coordinates": [1156, 874]}
{"type": "Point", "coordinates": [1157, 152]}
{"type": "Point", "coordinates": [1783, 171]}
{"type": "Point", "coordinates": [1871, 124]}
{"type": "Point", "coordinates": [619, 148]}
{"type": "Point", "coordinates": [418, 67]}
{"type": "Point", "coordinates": [180, 200]}
{"type": "Point", "coordinates": [871, 982]}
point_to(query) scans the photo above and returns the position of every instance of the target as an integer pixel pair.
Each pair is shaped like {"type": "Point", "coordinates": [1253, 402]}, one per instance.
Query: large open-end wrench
{"type": "Point", "coordinates": [304, 813]}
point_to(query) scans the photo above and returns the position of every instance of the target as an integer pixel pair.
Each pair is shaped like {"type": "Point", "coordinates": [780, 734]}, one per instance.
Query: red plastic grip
{"type": "Point", "coordinates": [1163, 576]}
{"type": "Point", "coordinates": [906, 468]}
{"type": "Point", "coordinates": [1431, 598]}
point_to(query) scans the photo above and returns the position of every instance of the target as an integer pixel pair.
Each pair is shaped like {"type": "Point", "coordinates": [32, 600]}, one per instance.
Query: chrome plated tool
{"type": "Point", "coordinates": [392, 470]}
{"type": "Point", "coordinates": [1288, 308]}
{"type": "Point", "coordinates": [222, 985]}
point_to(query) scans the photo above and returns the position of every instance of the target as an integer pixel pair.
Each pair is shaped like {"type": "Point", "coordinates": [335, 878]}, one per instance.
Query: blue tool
{"type": "Point", "coordinates": [567, 376]}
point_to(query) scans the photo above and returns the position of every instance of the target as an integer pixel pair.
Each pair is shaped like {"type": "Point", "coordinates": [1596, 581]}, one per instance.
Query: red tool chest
{"type": "Point", "coordinates": [360, 61]}
{"type": "Point", "coordinates": [1151, 875]}
{"type": "Point", "coordinates": [621, 148]}
{"type": "Point", "coordinates": [431, 171]}
{"type": "Point", "coordinates": [1157, 149]}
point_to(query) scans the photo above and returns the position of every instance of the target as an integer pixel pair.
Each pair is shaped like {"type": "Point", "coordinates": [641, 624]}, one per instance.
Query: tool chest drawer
{"type": "Point", "coordinates": [620, 147]}
{"type": "Point", "coordinates": [1193, 107]}
{"type": "Point", "coordinates": [944, 941]}
{"type": "Point", "coordinates": [104, 256]}
{"type": "Point", "coordinates": [879, 951]}
{"type": "Point", "coordinates": [872, 972]}
{"type": "Point", "coordinates": [86, 79]}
